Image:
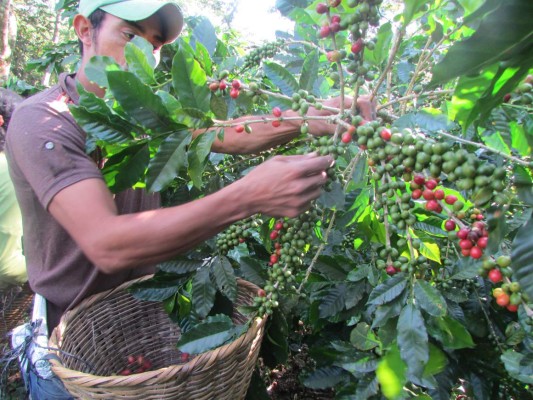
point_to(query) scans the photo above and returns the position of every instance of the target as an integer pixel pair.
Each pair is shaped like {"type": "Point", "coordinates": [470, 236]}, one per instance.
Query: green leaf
{"type": "Point", "coordinates": [451, 333]}
{"type": "Point", "coordinates": [275, 348]}
{"type": "Point", "coordinates": [389, 290]}
{"type": "Point", "coordinates": [410, 9]}
{"type": "Point", "coordinates": [203, 292]}
{"type": "Point", "coordinates": [367, 386]}
{"type": "Point", "coordinates": [380, 53]}
{"type": "Point", "coordinates": [323, 378]}
{"type": "Point", "coordinates": [391, 373]}
{"type": "Point", "coordinates": [437, 361]}
{"type": "Point", "coordinates": [333, 302]}
{"type": "Point", "coordinates": [468, 91]}
{"type": "Point", "coordinates": [332, 268]}
{"type": "Point", "coordinates": [430, 299]}
{"type": "Point", "coordinates": [97, 68]}
{"type": "Point", "coordinates": [503, 34]}
{"type": "Point", "coordinates": [359, 364]}
{"type": "Point", "coordinates": [387, 311]}
{"type": "Point", "coordinates": [204, 58]}
{"type": "Point", "coordinates": [169, 160]}
{"type": "Point", "coordinates": [309, 73]}
{"type": "Point", "coordinates": [199, 150]}
{"type": "Point", "coordinates": [430, 250]}
{"type": "Point", "coordinates": [151, 290]}
{"type": "Point", "coordinates": [224, 277]}
{"type": "Point", "coordinates": [470, 5]}
{"type": "Point", "coordinates": [425, 119]}
{"type": "Point", "coordinates": [139, 101]}
{"type": "Point", "coordinates": [189, 80]}
{"type": "Point", "coordinates": [363, 338]}
{"type": "Point", "coordinates": [101, 126]}
{"type": "Point", "coordinates": [140, 58]}
{"type": "Point", "coordinates": [180, 266]}
{"type": "Point", "coordinates": [205, 33]}
{"type": "Point", "coordinates": [252, 270]}
{"type": "Point", "coordinates": [519, 139]}
{"type": "Point", "coordinates": [512, 361]}
{"type": "Point", "coordinates": [359, 273]}
{"type": "Point", "coordinates": [522, 256]}
{"type": "Point", "coordinates": [281, 78]}
{"type": "Point", "coordinates": [467, 270]}
{"type": "Point", "coordinates": [413, 339]}
{"type": "Point", "coordinates": [219, 107]}
{"type": "Point", "coordinates": [212, 333]}
{"type": "Point", "coordinates": [126, 168]}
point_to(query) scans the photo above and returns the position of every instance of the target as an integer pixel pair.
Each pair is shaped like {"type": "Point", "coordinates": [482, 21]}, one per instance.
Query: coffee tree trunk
{"type": "Point", "coordinates": [8, 28]}
{"type": "Point", "coordinates": [55, 41]}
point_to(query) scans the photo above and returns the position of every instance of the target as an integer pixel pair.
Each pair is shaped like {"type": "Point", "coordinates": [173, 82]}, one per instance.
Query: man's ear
{"type": "Point", "coordinates": [83, 28]}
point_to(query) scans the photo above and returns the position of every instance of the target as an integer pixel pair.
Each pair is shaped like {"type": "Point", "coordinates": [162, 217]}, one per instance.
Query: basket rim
{"type": "Point", "coordinates": [254, 332]}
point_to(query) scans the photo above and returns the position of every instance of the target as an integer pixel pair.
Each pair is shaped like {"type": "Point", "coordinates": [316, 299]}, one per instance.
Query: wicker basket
{"type": "Point", "coordinates": [103, 330]}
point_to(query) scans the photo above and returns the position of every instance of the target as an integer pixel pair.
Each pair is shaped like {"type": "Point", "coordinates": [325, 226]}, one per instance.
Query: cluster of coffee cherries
{"type": "Point", "coordinates": [356, 23]}
{"type": "Point", "coordinates": [523, 94]}
{"type": "Point", "coordinates": [221, 85]}
{"type": "Point", "coordinates": [302, 100]}
{"type": "Point", "coordinates": [268, 50]}
{"type": "Point", "coordinates": [235, 234]}
{"type": "Point", "coordinates": [366, 13]}
{"type": "Point", "coordinates": [498, 271]}
{"type": "Point", "coordinates": [291, 238]}
{"type": "Point", "coordinates": [472, 239]}
{"type": "Point", "coordinates": [135, 365]}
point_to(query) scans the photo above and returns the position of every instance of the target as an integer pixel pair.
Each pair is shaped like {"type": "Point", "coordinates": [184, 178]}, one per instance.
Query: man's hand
{"type": "Point", "coordinates": [284, 186]}
{"type": "Point", "coordinates": [366, 108]}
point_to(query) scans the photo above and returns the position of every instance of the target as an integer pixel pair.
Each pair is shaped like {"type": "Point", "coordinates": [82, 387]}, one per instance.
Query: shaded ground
{"type": "Point", "coordinates": [286, 385]}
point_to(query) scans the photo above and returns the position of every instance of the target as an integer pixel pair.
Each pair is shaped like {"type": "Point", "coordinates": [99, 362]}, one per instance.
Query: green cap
{"type": "Point", "coordinates": [136, 10]}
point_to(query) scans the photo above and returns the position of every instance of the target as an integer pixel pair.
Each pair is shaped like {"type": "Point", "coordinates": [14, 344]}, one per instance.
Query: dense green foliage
{"type": "Point", "coordinates": [393, 303]}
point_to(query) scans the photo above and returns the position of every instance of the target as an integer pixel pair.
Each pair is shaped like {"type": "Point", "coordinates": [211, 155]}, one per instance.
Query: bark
{"type": "Point", "coordinates": [5, 48]}
{"type": "Point", "coordinates": [55, 40]}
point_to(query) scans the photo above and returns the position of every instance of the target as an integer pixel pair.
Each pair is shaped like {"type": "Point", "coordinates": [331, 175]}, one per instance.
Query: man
{"type": "Point", "coordinates": [80, 239]}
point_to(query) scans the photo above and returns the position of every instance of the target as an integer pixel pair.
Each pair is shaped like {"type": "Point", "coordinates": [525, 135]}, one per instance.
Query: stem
{"type": "Point", "coordinates": [523, 108]}
{"type": "Point", "coordinates": [318, 252]}
{"type": "Point", "coordinates": [412, 96]}
{"type": "Point", "coordinates": [392, 55]}
{"type": "Point", "coordinates": [491, 327]}
{"type": "Point", "coordinates": [418, 70]}
{"type": "Point", "coordinates": [482, 146]}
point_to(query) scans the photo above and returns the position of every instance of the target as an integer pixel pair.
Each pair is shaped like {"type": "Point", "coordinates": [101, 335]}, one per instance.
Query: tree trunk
{"type": "Point", "coordinates": [5, 48]}
{"type": "Point", "coordinates": [55, 40]}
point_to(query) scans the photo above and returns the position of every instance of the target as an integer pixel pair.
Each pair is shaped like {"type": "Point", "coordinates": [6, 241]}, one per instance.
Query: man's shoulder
{"type": "Point", "coordinates": [52, 97]}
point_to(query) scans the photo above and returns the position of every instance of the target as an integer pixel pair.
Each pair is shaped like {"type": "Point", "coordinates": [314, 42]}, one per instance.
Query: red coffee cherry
{"type": "Point", "coordinates": [450, 199]}
{"type": "Point", "coordinates": [476, 252]}
{"type": "Point", "coordinates": [449, 225]}
{"type": "Point", "coordinates": [322, 8]}
{"type": "Point", "coordinates": [495, 275]}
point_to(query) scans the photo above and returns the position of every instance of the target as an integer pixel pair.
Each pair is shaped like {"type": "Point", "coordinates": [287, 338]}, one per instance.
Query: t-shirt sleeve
{"type": "Point", "coordinates": [48, 149]}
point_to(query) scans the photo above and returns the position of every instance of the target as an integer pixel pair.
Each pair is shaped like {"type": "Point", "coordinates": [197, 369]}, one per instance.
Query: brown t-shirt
{"type": "Point", "coordinates": [46, 153]}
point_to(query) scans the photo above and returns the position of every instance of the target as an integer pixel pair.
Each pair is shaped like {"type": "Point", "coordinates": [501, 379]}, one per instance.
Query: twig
{"type": "Point", "coordinates": [392, 55]}
{"type": "Point", "coordinates": [482, 146]}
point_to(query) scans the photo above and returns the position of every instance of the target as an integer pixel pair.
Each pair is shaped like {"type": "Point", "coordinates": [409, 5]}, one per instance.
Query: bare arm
{"type": "Point", "coordinates": [265, 136]}
{"type": "Point", "coordinates": [282, 186]}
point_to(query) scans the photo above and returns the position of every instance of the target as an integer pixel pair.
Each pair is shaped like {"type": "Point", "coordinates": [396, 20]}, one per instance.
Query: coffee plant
{"type": "Point", "coordinates": [412, 274]}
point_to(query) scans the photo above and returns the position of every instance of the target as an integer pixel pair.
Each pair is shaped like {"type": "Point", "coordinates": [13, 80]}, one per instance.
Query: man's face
{"type": "Point", "coordinates": [114, 33]}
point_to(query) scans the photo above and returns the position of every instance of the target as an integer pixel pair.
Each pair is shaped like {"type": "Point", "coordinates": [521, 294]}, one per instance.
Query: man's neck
{"type": "Point", "coordinates": [88, 84]}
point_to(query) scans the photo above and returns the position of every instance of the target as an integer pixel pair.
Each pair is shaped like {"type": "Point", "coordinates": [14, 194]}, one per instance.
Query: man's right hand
{"type": "Point", "coordinates": [285, 186]}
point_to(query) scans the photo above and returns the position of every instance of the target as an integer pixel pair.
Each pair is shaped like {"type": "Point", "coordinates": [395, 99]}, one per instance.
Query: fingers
{"type": "Point", "coordinates": [366, 107]}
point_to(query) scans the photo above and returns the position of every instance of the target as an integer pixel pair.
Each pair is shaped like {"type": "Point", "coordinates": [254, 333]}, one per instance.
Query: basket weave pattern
{"type": "Point", "coordinates": [95, 338]}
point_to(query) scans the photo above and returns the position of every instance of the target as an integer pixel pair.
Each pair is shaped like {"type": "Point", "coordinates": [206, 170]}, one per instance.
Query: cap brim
{"type": "Point", "coordinates": [137, 10]}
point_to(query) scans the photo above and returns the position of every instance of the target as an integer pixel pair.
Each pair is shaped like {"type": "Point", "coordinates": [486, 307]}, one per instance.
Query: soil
{"type": "Point", "coordinates": [285, 381]}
